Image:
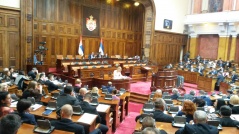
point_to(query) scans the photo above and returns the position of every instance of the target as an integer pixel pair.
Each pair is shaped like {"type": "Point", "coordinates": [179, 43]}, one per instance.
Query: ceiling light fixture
{"type": "Point", "coordinates": [136, 4]}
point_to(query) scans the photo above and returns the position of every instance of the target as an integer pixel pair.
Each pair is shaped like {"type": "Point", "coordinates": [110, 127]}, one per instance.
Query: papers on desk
{"type": "Point", "coordinates": [14, 104]}
{"type": "Point", "coordinates": [102, 107]}
{"type": "Point", "coordinates": [217, 96]}
{"type": "Point", "coordinates": [235, 117]}
{"type": "Point", "coordinates": [35, 107]}
{"type": "Point", "coordinates": [56, 82]}
{"type": "Point", "coordinates": [87, 118]}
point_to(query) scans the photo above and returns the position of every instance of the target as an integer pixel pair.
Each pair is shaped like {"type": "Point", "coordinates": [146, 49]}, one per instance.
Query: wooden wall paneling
{"type": "Point", "coordinates": [2, 47]}
{"type": "Point", "coordinates": [13, 44]}
{"type": "Point", "coordinates": [237, 50]}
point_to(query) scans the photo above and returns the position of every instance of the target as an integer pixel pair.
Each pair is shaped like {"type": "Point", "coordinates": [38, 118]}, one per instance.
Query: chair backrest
{"type": "Point", "coordinates": [94, 100]}
{"type": "Point", "coordinates": [106, 77]}
{"type": "Point", "coordinates": [179, 119]}
{"type": "Point", "coordinates": [59, 56]}
{"type": "Point", "coordinates": [200, 108]}
{"type": "Point", "coordinates": [32, 99]}
{"type": "Point", "coordinates": [167, 97]}
{"type": "Point", "coordinates": [148, 106]}
{"type": "Point", "coordinates": [44, 124]}
{"type": "Point", "coordinates": [70, 56]}
{"type": "Point", "coordinates": [169, 101]}
{"type": "Point", "coordinates": [173, 109]}
{"type": "Point", "coordinates": [78, 56]}
{"type": "Point", "coordinates": [94, 95]}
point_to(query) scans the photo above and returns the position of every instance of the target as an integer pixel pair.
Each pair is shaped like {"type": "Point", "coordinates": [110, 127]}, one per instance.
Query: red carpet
{"type": "Point", "coordinates": [128, 125]}
{"type": "Point", "coordinates": [140, 87]}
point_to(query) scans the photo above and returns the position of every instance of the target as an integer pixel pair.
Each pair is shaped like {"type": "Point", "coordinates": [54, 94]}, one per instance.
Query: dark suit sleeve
{"type": "Point", "coordinates": [32, 119]}
{"type": "Point", "coordinates": [180, 131]}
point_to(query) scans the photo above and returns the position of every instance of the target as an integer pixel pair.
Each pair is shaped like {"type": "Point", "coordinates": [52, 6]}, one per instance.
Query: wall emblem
{"type": "Point", "coordinates": [90, 23]}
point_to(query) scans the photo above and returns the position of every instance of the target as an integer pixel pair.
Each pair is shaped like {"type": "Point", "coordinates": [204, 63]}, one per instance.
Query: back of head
{"type": "Point", "coordinates": [148, 122]}
{"type": "Point", "coordinates": [188, 107]}
{"type": "Point", "coordinates": [192, 92]}
{"type": "Point", "coordinates": [10, 124]}
{"type": "Point", "coordinates": [159, 104]}
{"type": "Point", "coordinates": [114, 91]}
{"type": "Point", "coordinates": [50, 76]}
{"type": "Point", "coordinates": [220, 102]}
{"type": "Point", "coordinates": [150, 130]}
{"type": "Point", "coordinates": [23, 105]}
{"type": "Point", "coordinates": [95, 90]}
{"type": "Point", "coordinates": [225, 111]}
{"type": "Point", "coordinates": [110, 83]}
{"type": "Point", "coordinates": [199, 102]}
{"type": "Point", "coordinates": [3, 86]}
{"type": "Point", "coordinates": [32, 85]}
{"type": "Point", "coordinates": [200, 116]}
{"type": "Point", "coordinates": [234, 100]}
{"type": "Point", "coordinates": [175, 91]}
{"type": "Point", "coordinates": [67, 110]}
{"type": "Point", "coordinates": [41, 75]}
{"type": "Point", "coordinates": [83, 91]}
{"type": "Point", "coordinates": [88, 96]}
{"type": "Point", "coordinates": [68, 89]}
{"type": "Point", "coordinates": [201, 92]}
{"type": "Point", "coordinates": [78, 81]}
{"type": "Point", "coordinates": [157, 95]}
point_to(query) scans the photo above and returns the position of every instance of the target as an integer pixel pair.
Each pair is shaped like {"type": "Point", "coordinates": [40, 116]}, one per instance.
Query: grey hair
{"type": "Point", "coordinates": [150, 130]}
{"type": "Point", "coordinates": [200, 116]}
{"type": "Point", "coordinates": [192, 92]}
{"type": "Point", "coordinates": [159, 103]}
{"type": "Point", "coordinates": [159, 91]}
{"type": "Point", "coordinates": [175, 91]}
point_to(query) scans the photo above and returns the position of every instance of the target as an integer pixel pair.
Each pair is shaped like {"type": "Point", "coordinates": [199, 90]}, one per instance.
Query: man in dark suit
{"type": "Point", "coordinates": [91, 56]}
{"type": "Point", "coordinates": [159, 114]}
{"type": "Point", "coordinates": [190, 96]}
{"type": "Point", "coordinates": [200, 125]}
{"type": "Point", "coordinates": [87, 108]}
{"type": "Point", "coordinates": [50, 84]}
{"type": "Point", "coordinates": [82, 93]}
{"type": "Point", "coordinates": [42, 79]}
{"type": "Point", "coordinates": [33, 73]}
{"type": "Point", "coordinates": [68, 97]}
{"type": "Point", "coordinates": [225, 119]}
{"type": "Point", "coordinates": [66, 124]}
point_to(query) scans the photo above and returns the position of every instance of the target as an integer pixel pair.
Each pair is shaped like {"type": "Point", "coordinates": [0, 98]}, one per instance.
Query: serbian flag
{"type": "Point", "coordinates": [80, 49]}
{"type": "Point", "coordinates": [101, 48]}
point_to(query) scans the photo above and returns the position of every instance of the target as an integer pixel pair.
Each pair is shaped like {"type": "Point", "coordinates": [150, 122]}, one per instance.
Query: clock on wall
{"type": "Point", "coordinates": [167, 24]}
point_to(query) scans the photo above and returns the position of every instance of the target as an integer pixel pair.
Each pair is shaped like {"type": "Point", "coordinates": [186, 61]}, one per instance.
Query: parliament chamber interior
{"type": "Point", "coordinates": [119, 66]}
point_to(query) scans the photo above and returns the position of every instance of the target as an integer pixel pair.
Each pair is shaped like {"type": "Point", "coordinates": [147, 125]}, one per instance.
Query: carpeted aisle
{"type": "Point", "coordinates": [127, 126]}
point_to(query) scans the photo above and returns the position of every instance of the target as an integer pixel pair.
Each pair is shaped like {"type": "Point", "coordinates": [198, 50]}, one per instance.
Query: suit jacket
{"type": "Point", "coordinates": [68, 125]}
{"type": "Point", "coordinates": [228, 122]}
{"type": "Point", "coordinates": [161, 117]}
{"type": "Point", "coordinates": [51, 86]}
{"type": "Point", "coordinates": [235, 110]}
{"type": "Point", "coordinates": [234, 78]}
{"type": "Point", "coordinates": [66, 99]}
{"type": "Point", "coordinates": [188, 97]}
{"type": "Point", "coordinates": [197, 129]}
{"type": "Point", "coordinates": [87, 108]}
{"type": "Point", "coordinates": [174, 96]}
{"type": "Point", "coordinates": [80, 98]}
{"type": "Point", "coordinates": [41, 82]}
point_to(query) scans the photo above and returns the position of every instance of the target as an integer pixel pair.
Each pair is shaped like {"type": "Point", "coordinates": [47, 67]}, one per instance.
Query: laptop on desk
{"type": "Point", "coordinates": [55, 95]}
{"type": "Point", "coordinates": [215, 123]}
{"type": "Point", "coordinates": [94, 102]}
{"type": "Point", "coordinates": [51, 105]}
{"type": "Point", "coordinates": [173, 110]}
{"type": "Point", "coordinates": [77, 110]}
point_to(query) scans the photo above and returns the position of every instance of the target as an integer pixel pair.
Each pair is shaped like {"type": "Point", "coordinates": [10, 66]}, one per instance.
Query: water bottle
{"type": "Point", "coordinates": [206, 107]}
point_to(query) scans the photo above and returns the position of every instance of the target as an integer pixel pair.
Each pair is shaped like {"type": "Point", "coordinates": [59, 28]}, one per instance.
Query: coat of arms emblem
{"type": "Point", "coordinates": [90, 23]}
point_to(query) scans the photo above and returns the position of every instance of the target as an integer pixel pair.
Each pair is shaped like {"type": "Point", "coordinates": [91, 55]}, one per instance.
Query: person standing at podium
{"type": "Point", "coordinates": [117, 73]}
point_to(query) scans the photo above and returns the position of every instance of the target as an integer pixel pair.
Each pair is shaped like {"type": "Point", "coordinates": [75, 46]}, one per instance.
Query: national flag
{"type": "Point", "coordinates": [101, 48]}
{"type": "Point", "coordinates": [81, 49]}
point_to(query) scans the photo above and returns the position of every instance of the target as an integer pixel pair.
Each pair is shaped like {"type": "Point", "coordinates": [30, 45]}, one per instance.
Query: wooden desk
{"type": "Point", "coordinates": [13, 89]}
{"type": "Point", "coordinates": [28, 129]}
{"type": "Point", "coordinates": [224, 87]}
{"type": "Point", "coordinates": [206, 84]}
{"type": "Point", "coordinates": [190, 77]}
{"type": "Point", "coordinates": [171, 130]}
{"type": "Point", "coordinates": [40, 68]}
{"type": "Point", "coordinates": [118, 83]}
{"type": "Point", "coordinates": [105, 113]}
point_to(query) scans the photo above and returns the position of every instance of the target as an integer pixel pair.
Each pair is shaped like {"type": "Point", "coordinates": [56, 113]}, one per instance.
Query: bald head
{"type": "Point", "coordinates": [66, 111]}
{"type": "Point", "coordinates": [83, 91]}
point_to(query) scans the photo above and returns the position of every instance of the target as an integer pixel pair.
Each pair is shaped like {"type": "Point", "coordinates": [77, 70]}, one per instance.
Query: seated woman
{"type": "Point", "coordinates": [95, 90]}
{"type": "Point", "coordinates": [33, 90]}
{"type": "Point", "coordinates": [175, 94]}
{"type": "Point", "coordinates": [23, 108]}
{"type": "Point", "coordinates": [5, 102]}
{"type": "Point", "coordinates": [188, 110]}
{"type": "Point", "coordinates": [234, 100]}
{"type": "Point", "coordinates": [117, 73]}
{"type": "Point", "coordinates": [4, 87]}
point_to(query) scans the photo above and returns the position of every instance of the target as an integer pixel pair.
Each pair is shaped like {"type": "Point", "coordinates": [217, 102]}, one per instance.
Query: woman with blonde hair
{"type": "Point", "coordinates": [234, 100]}
{"type": "Point", "coordinates": [33, 90]}
{"type": "Point", "coordinates": [188, 110]}
{"type": "Point", "coordinates": [95, 90]}
{"type": "Point", "coordinates": [4, 88]}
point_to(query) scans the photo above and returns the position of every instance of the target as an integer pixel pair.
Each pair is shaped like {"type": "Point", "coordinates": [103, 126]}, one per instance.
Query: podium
{"type": "Point", "coordinates": [40, 68]}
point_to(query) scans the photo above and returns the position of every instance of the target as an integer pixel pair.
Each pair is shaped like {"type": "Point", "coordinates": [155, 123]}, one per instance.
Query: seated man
{"type": "Point", "coordinates": [234, 77]}
{"type": "Point", "coordinates": [175, 94]}
{"type": "Point", "coordinates": [87, 108]}
{"type": "Point", "coordinates": [158, 114]}
{"type": "Point", "coordinates": [200, 125]}
{"type": "Point", "coordinates": [50, 84]}
{"type": "Point", "coordinates": [66, 124]}
{"type": "Point", "coordinates": [148, 122]}
{"type": "Point", "coordinates": [33, 73]}
{"type": "Point", "coordinates": [204, 96]}
{"type": "Point", "coordinates": [82, 93]}
{"type": "Point", "coordinates": [68, 97]}
{"type": "Point", "coordinates": [10, 124]}
{"type": "Point", "coordinates": [190, 96]}
{"type": "Point", "coordinates": [225, 119]}
{"type": "Point", "coordinates": [110, 87]}
{"type": "Point", "coordinates": [150, 130]}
